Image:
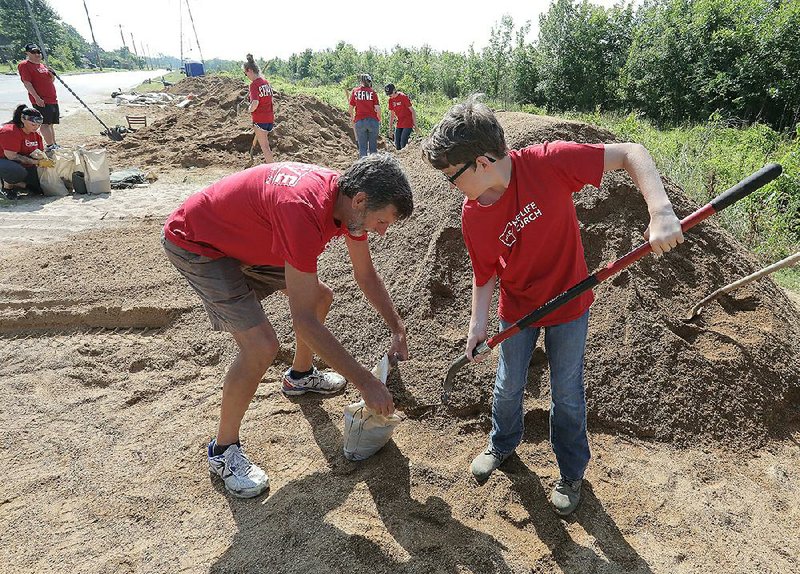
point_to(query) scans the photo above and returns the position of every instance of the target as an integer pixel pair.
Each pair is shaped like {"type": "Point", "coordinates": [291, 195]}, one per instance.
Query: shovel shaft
{"type": "Point", "coordinates": [725, 199]}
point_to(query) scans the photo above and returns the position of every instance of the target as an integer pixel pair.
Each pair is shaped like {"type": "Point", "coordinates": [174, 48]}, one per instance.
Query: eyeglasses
{"type": "Point", "coordinates": [35, 52]}
{"type": "Point", "coordinates": [34, 119]}
{"type": "Point", "coordinates": [452, 178]}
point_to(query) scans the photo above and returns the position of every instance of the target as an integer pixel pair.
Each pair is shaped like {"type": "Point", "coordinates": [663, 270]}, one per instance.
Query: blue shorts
{"type": "Point", "coordinates": [265, 127]}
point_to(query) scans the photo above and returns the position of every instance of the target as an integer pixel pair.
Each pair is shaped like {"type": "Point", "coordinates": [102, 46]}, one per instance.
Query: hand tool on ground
{"type": "Point", "coordinates": [695, 312]}
{"type": "Point", "coordinates": [745, 187]}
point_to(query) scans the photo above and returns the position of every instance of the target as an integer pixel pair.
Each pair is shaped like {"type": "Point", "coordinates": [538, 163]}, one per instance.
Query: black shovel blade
{"type": "Point", "coordinates": [447, 386]}
{"type": "Point", "coordinates": [114, 133]}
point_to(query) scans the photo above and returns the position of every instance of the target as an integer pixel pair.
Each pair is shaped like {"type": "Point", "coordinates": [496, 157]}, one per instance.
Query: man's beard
{"type": "Point", "coordinates": [356, 224]}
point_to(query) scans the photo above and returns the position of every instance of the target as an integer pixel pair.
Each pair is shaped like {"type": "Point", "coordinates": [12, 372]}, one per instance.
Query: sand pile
{"type": "Point", "coordinates": [216, 130]}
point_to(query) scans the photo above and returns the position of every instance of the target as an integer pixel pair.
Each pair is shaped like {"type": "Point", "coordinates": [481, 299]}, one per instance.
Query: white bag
{"type": "Point", "coordinates": [365, 432]}
{"type": "Point", "coordinates": [51, 183]}
{"type": "Point", "coordinates": [66, 163]}
{"type": "Point", "coordinates": [95, 170]}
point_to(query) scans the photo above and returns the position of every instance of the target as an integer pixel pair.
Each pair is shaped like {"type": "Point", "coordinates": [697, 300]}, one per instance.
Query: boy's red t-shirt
{"type": "Point", "coordinates": [530, 237]}
{"type": "Point", "coordinates": [266, 215]}
{"type": "Point", "coordinates": [261, 90]}
{"type": "Point", "coordinates": [40, 78]}
{"type": "Point", "coordinates": [14, 139]}
{"type": "Point", "coordinates": [364, 99]}
{"type": "Point", "coordinates": [400, 104]}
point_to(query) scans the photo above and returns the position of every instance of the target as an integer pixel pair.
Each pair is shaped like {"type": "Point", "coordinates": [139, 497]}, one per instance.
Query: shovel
{"type": "Point", "coordinates": [726, 198]}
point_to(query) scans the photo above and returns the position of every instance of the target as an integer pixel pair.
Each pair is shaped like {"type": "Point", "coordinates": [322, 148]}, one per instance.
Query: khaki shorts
{"type": "Point", "coordinates": [230, 292]}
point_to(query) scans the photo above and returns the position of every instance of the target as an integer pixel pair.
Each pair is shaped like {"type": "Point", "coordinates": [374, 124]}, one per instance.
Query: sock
{"type": "Point", "coordinates": [299, 375]}
{"type": "Point", "coordinates": [220, 448]}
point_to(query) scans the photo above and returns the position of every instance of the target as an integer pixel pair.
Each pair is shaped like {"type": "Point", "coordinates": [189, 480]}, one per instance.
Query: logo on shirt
{"type": "Point", "coordinates": [526, 215]}
{"type": "Point", "coordinates": [33, 143]}
{"type": "Point", "coordinates": [288, 175]}
{"type": "Point", "coordinates": [264, 90]}
{"type": "Point", "coordinates": [363, 96]}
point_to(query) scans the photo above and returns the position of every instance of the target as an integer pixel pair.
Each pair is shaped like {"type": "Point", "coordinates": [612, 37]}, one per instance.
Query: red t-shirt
{"type": "Point", "coordinates": [261, 90]}
{"type": "Point", "coordinates": [400, 104]}
{"type": "Point", "coordinates": [14, 139]}
{"type": "Point", "coordinates": [266, 215]}
{"type": "Point", "coordinates": [364, 99]}
{"type": "Point", "coordinates": [40, 78]}
{"type": "Point", "coordinates": [530, 237]}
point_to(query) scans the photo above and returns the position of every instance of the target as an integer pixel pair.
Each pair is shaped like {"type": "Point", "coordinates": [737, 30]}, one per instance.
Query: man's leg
{"type": "Point", "coordinates": [303, 355]}
{"type": "Point", "coordinates": [507, 413]}
{"type": "Point", "coordinates": [565, 345]}
{"type": "Point", "coordinates": [257, 349]}
{"type": "Point", "coordinates": [48, 134]}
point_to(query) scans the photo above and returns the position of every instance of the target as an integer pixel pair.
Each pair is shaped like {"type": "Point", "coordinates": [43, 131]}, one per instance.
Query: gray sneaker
{"type": "Point", "coordinates": [566, 496]}
{"type": "Point", "coordinates": [242, 478]}
{"type": "Point", "coordinates": [485, 464]}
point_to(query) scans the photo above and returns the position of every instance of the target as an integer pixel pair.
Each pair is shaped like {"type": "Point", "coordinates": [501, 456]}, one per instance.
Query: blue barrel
{"type": "Point", "coordinates": [194, 69]}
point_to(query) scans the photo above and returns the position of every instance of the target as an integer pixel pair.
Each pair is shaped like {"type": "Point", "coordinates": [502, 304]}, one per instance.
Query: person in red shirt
{"type": "Point", "coordinates": [40, 83]}
{"type": "Point", "coordinates": [260, 106]}
{"type": "Point", "coordinates": [260, 231]}
{"type": "Point", "coordinates": [18, 139]}
{"type": "Point", "coordinates": [401, 114]}
{"type": "Point", "coordinates": [521, 229]}
{"type": "Point", "coordinates": [365, 112]}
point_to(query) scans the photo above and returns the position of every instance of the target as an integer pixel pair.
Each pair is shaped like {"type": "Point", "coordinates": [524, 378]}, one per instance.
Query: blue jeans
{"type": "Point", "coordinates": [565, 345]}
{"type": "Point", "coordinates": [367, 136]}
{"type": "Point", "coordinates": [401, 137]}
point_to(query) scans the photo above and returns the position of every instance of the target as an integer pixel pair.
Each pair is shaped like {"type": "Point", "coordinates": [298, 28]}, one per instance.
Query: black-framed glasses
{"type": "Point", "coordinates": [452, 178]}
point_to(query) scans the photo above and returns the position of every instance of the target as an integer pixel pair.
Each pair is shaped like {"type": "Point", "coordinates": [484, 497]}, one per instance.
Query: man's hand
{"type": "Point", "coordinates": [39, 101]}
{"type": "Point", "coordinates": [378, 398]}
{"type": "Point", "coordinates": [398, 350]}
{"type": "Point", "coordinates": [664, 231]}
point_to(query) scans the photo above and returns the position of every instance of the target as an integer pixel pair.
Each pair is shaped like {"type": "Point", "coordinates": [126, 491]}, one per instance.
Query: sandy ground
{"type": "Point", "coordinates": [111, 388]}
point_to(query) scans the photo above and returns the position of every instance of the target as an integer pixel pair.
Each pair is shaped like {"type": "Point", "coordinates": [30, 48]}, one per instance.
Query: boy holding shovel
{"type": "Point", "coordinates": [521, 231]}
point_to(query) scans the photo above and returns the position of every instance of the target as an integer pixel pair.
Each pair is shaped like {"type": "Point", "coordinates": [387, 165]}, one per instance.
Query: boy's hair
{"type": "Point", "coordinates": [380, 176]}
{"type": "Point", "coordinates": [466, 131]}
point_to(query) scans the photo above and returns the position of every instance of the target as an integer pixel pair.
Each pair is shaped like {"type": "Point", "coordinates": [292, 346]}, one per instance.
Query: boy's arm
{"type": "Point", "coordinates": [664, 231]}
{"type": "Point", "coordinates": [479, 319]}
{"type": "Point", "coordinates": [373, 288]}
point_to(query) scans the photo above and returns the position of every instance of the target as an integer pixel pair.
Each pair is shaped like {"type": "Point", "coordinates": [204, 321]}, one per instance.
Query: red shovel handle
{"type": "Point", "coordinates": [745, 187]}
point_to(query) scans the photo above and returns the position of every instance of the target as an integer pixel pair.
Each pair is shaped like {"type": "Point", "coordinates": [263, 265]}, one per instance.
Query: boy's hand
{"type": "Point", "coordinates": [474, 338]}
{"type": "Point", "coordinates": [378, 398]}
{"type": "Point", "coordinates": [664, 231]}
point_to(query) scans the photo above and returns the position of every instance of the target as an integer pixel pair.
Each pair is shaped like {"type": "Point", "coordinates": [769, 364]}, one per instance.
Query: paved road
{"type": "Point", "coordinates": [92, 89]}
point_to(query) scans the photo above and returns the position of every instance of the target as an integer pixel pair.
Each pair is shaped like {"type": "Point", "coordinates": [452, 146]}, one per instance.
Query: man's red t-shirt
{"type": "Point", "coordinates": [14, 139]}
{"type": "Point", "coordinates": [266, 215]}
{"type": "Point", "coordinates": [400, 104]}
{"type": "Point", "coordinates": [40, 78]}
{"type": "Point", "coordinates": [261, 90]}
{"type": "Point", "coordinates": [530, 237]}
{"type": "Point", "coordinates": [364, 99]}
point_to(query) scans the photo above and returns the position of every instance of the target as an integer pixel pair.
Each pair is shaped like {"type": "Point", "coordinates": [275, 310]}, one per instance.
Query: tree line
{"type": "Point", "coordinates": [675, 61]}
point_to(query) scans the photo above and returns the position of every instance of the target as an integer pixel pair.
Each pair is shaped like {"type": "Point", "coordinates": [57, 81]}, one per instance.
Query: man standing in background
{"type": "Point", "coordinates": [40, 83]}
{"type": "Point", "coordinates": [402, 117]}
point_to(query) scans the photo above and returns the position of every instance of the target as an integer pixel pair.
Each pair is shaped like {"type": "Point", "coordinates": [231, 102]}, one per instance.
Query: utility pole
{"type": "Point", "coordinates": [121, 35]}
{"type": "Point", "coordinates": [96, 47]}
{"type": "Point", "coordinates": [180, 26]}
{"type": "Point", "coordinates": [196, 38]}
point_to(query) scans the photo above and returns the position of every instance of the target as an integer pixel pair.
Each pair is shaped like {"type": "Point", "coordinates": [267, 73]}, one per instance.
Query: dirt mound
{"type": "Point", "coordinates": [216, 130]}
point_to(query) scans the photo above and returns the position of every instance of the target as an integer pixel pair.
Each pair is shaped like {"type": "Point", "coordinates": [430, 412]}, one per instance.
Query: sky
{"type": "Point", "coordinates": [268, 29]}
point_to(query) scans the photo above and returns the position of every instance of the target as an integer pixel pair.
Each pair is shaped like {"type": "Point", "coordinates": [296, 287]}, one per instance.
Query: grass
{"type": "Point", "coordinates": [156, 86]}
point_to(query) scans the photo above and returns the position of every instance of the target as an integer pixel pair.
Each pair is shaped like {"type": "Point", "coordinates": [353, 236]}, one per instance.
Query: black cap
{"type": "Point", "coordinates": [389, 89]}
{"type": "Point", "coordinates": [31, 47]}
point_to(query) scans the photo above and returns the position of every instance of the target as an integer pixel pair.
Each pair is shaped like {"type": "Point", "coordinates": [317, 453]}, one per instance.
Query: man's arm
{"type": "Point", "coordinates": [303, 289]}
{"type": "Point", "coordinates": [373, 288]}
{"type": "Point", "coordinates": [664, 231]}
{"type": "Point", "coordinates": [36, 98]}
{"type": "Point", "coordinates": [479, 318]}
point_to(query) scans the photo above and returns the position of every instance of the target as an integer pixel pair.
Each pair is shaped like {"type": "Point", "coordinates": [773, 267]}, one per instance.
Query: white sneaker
{"type": "Point", "coordinates": [242, 478]}
{"type": "Point", "coordinates": [317, 382]}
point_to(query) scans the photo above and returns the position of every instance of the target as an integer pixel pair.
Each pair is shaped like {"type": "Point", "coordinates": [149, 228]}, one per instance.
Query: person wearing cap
{"type": "Point", "coordinates": [365, 112]}
{"type": "Point", "coordinates": [40, 83]}
{"type": "Point", "coordinates": [402, 116]}
{"type": "Point", "coordinates": [18, 139]}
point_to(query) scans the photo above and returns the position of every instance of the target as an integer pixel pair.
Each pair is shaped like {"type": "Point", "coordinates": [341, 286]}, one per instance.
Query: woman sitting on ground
{"type": "Point", "coordinates": [260, 105]}
{"type": "Point", "coordinates": [18, 139]}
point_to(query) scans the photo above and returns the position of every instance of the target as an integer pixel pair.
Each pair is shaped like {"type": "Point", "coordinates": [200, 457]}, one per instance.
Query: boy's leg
{"type": "Point", "coordinates": [565, 345]}
{"type": "Point", "coordinates": [509, 387]}
{"type": "Point", "coordinates": [397, 137]}
{"type": "Point", "coordinates": [373, 135]}
{"type": "Point", "coordinates": [404, 135]}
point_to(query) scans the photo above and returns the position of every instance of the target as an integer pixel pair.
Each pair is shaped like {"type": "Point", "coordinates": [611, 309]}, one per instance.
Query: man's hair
{"type": "Point", "coordinates": [468, 130]}
{"type": "Point", "coordinates": [382, 179]}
